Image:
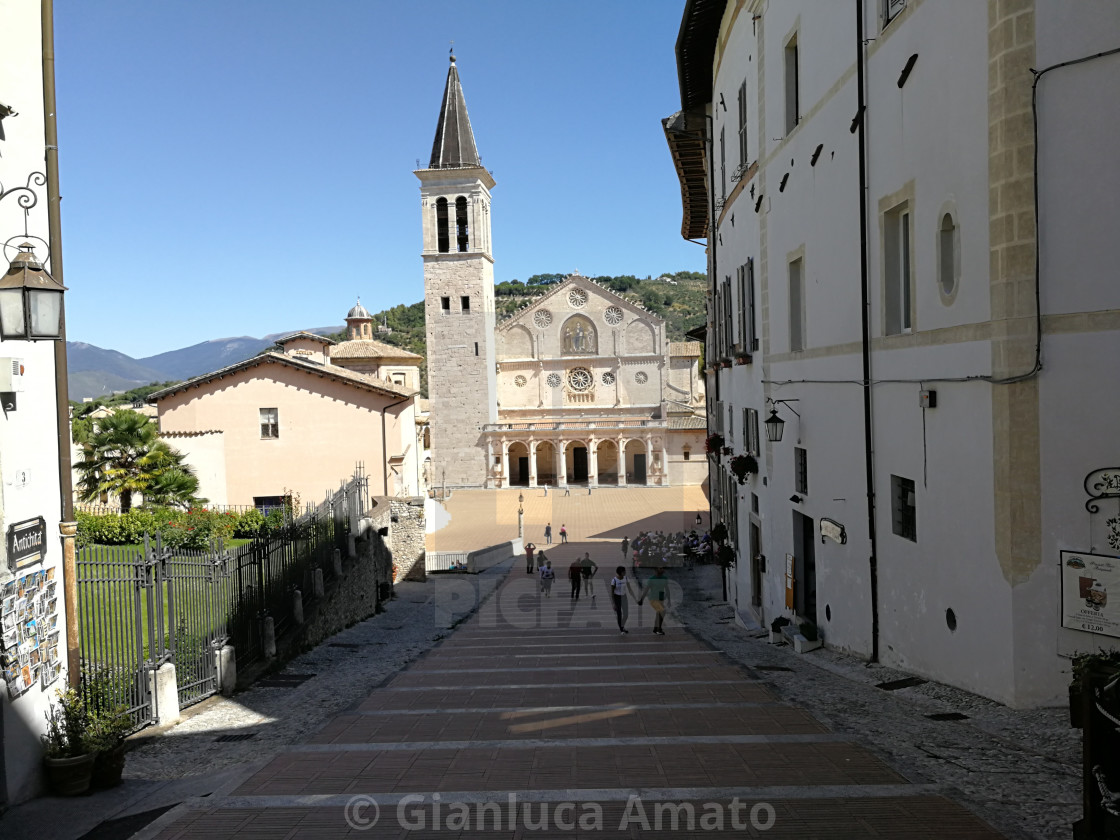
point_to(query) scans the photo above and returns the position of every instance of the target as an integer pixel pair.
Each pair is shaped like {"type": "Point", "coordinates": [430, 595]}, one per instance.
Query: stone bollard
{"type": "Point", "coordinates": [317, 589]}
{"type": "Point", "coordinates": [297, 607]}
{"type": "Point", "coordinates": [165, 691]}
{"type": "Point", "coordinates": [268, 637]}
{"type": "Point", "coordinates": [336, 561]}
{"type": "Point", "coordinates": [225, 663]}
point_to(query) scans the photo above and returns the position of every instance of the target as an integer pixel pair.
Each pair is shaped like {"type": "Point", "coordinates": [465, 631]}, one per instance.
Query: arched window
{"type": "Point", "coordinates": [948, 258]}
{"type": "Point", "coordinates": [461, 223]}
{"type": "Point", "coordinates": [444, 242]}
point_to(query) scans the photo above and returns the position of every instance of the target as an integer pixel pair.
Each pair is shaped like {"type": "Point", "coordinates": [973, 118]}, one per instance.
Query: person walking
{"type": "Point", "coordinates": [625, 547]}
{"type": "Point", "coordinates": [541, 560]}
{"type": "Point", "coordinates": [575, 574]}
{"type": "Point", "coordinates": [529, 549]}
{"type": "Point", "coordinates": [588, 567]}
{"type": "Point", "coordinates": [563, 533]}
{"type": "Point", "coordinates": [548, 534]}
{"type": "Point", "coordinates": [657, 588]}
{"type": "Point", "coordinates": [619, 588]}
{"type": "Point", "coordinates": [547, 576]}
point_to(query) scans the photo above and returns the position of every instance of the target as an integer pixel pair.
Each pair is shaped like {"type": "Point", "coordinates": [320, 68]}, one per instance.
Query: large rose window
{"type": "Point", "coordinates": [580, 379]}
{"type": "Point", "coordinates": [577, 298]}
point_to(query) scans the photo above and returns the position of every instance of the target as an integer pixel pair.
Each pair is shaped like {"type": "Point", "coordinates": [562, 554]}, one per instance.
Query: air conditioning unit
{"type": "Point", "coordinates": [11, 375]}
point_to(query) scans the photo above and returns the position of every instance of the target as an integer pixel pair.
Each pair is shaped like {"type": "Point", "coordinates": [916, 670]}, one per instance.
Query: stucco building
{"type": "Point", "coordinates": [582, 386]}
{"type": "Point", "coordinates": [33, 616]}
{"type": "Point", "coordinates": [295, 421]}
{"type": "Point", "coordinates": [867, 175]}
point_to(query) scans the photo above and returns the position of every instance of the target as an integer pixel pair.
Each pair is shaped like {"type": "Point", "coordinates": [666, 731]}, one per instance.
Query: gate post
{"type": "Point", "coordinates": [336, 561]}
{"type": "Point", "coordinates": [317, 589]}
{"type": "Point", "coordinates": [165, 691]}
{"type": "Point", "coordinates": [268, 637]}
{"type": "Point", "coordinates": [297, 607]}
{"type": "Point", "coordinates": [225, 665]}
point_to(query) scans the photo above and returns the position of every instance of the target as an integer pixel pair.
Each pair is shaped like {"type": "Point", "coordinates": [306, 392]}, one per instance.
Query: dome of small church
{"type": "Point", "coordinates": [358, 311]}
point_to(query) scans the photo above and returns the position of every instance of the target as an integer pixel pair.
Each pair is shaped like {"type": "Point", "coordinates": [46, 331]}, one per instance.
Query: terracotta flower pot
{"type": "Point", "coordinates": [69, 776]}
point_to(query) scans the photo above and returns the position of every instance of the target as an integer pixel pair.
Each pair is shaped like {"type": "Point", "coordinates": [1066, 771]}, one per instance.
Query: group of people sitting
{"type": "Point", "coordinates": [656, 548]}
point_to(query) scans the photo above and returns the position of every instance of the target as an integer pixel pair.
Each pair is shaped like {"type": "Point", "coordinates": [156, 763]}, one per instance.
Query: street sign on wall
{"type": "Point", "coordinates": [1087, 581]}
{"type": "Point", "coordinates": [27, 543]}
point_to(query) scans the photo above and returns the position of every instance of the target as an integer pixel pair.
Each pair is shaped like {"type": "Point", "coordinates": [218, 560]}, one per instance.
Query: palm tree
{"type": "Point", "coordinates": [124, 455]}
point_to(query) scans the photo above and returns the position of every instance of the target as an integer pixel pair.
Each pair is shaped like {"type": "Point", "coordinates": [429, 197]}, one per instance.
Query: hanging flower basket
{"type": "Point", "coordinates": [742, 359]}
{"type": "Point", "coordinates": [714, 444]}
{"type": "Point", "coordinates": [743, 466]}
{"type": "Point", "coordinates": [726, 450]}
{"type": "Point", "coordinates": [725, 362]}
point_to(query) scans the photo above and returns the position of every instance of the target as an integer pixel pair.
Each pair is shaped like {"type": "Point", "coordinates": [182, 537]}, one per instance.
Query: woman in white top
{"type": "Point", "coordinates": [547, 576]}
{"type": "Point", "coordinates": [619, 587]}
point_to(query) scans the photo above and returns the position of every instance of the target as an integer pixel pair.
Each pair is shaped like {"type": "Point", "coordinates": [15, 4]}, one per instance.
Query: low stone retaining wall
{"type": "Point", "coordinates": [484, 558]}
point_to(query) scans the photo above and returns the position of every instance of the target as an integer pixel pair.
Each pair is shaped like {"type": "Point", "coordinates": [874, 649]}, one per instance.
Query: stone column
{"type": "Point", "coordinates": [649, 460]}
{"type": "Point", "coordinates": [532, 463]}
{"type": "Point", "coordinates": [592, 461]}
{"type": "Point", "coordinates": [489, 463]}
{"type": "Point", "coordinates": [561, 463]}
{"type": "Point", "coordinates": [621, 462]}
{"type": "Point", "coordinates": [505, 463]}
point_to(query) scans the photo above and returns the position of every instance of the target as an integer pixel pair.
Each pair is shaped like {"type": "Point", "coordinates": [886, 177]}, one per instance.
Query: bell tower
{"type": "Point", "coordinates": [458, 295]}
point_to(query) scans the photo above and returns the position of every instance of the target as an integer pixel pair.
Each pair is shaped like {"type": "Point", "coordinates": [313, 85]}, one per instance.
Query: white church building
{"type": "Point", "coordinates": [580, 387]}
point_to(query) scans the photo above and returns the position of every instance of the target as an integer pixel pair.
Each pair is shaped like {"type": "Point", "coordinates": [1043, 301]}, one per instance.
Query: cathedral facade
{"type": "Point", "coordinates": [579, 387]}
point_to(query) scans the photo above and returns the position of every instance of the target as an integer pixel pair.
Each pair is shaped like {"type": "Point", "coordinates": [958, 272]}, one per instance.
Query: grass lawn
{"type": "Point", "coordinates": [113, 611]}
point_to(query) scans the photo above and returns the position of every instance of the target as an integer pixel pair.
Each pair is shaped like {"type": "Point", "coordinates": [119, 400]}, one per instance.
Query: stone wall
{"type": "Point", "coordinates": [407, 526]}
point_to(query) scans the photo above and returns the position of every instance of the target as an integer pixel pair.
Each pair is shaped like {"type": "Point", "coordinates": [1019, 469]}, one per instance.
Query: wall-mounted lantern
{"type": "Point", "coordinates": [775, 426]}
{"type": "Point", "coordinates": [30, 300]}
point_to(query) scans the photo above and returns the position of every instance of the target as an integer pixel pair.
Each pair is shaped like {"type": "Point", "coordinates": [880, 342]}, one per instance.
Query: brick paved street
{"type": "Point", "coordinates": [495, 729]}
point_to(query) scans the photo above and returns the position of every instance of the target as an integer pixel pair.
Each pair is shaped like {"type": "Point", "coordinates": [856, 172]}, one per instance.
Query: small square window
{"type": "Point", "coordinates": [445, 305]}
{"type": "Point", "coordinates": [904, 510]}
{"type": "Point", "coordinates": [687, 454]}
{"type": "Point", "coordinates": [801, 469]}
{"type": "Point", "coordinates": [270, 423]}
{"type": "Point", "coordinates": [465, 304]}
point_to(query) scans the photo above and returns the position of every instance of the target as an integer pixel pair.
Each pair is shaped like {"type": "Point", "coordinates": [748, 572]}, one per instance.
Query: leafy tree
{"type": "Point", "coordinates": [124, 455]}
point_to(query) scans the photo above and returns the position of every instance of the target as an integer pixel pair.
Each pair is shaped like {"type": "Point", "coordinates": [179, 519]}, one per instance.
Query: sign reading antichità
{"type": "Point", "coordinates": [27, 543]}
{"type": "Point", "coordinates": [1086, 582]}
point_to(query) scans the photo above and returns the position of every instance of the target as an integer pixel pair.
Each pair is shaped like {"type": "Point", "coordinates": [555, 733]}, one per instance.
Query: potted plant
{"type": "Point", "coordinates": [714, 444]}
{"type": "Point", "coordinates": [719, 532]}
{"type": "Point", "coordinates": [105, 739]}
{"type": "Point", "coordinates": [808, 638]}
{"type": "Point", "coordinates": [742, 466]}
{"type": "Point", "coordinates": [68, 761]}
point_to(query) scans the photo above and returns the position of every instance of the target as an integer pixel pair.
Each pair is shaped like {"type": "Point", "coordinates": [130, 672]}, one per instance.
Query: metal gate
{"type": "Point", "coordinates": [197, 586]}
{"type": "Point", "coordinates": [120, 622]}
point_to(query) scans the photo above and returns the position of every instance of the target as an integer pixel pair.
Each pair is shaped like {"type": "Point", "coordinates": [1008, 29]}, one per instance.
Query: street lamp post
{"type": "Point", "coordinates": [521, 516]}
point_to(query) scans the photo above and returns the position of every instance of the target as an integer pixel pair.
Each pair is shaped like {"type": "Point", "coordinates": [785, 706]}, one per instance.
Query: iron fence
{"type": "Point", "coordinates": [141, 608]}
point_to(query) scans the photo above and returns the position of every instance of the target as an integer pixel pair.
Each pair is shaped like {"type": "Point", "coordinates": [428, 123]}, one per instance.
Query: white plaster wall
{"type": "Point", "coordinates": [206, 454]}
{"type": "Point", "coordinates": [29, 446]}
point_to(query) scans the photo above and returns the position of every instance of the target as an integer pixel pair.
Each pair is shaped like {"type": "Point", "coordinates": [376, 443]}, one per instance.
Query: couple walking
{"type": "Point", "coordinates": [656, 589]}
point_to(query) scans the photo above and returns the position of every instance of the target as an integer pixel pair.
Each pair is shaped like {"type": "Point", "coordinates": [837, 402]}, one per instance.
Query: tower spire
{"type": "Point", "coordinates": [454, 144]}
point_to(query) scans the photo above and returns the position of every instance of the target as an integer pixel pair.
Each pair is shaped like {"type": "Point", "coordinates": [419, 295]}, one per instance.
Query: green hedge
{"type": "Point", "coordinates": [195, 528]}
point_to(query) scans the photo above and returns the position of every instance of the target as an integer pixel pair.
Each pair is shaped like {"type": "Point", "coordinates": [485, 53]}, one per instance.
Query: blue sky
{"type": "Point", "coordinates": [243, 167]}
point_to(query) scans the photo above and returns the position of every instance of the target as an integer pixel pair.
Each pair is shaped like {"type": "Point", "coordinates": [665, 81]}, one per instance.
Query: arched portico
{"type": "Point", "coordinates": [519, 464]}
{"type": "Point", "coordinates": [637, 462]}
{"type": "Point", "coordinates": [607, 462]}
{"type": "Point", "coordinates": [577, 462]}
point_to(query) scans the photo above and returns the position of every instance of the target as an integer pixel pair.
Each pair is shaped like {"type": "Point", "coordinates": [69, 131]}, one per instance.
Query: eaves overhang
{"type": "Point", "coordinates": [696, 50]}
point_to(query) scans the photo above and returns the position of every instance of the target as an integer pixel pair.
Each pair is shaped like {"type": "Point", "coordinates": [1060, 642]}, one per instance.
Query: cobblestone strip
{"type": "Point", "coordinates": [1018, 769]}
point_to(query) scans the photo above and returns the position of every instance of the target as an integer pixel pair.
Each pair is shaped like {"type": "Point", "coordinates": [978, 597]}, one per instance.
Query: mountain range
{"type": "Point", "coordinates": [96, 372]}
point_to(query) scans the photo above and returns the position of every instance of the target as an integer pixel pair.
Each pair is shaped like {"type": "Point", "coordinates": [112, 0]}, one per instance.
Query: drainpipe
{"type": "Point", "coordinates": [865, 300]}
{"type": "Point", "coordinates": [67, 527]}
{"type": "Point", "coordinates": [385, 446]}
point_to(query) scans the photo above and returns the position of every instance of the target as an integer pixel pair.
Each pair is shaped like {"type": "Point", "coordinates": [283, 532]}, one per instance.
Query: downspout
{"type": "Point", "coordinates": [865, 300]}
{"type": "Point", "coordinates": [712, 239]}
{"type": "Point", "coordinates": [385, 446]}
{"type": "Point", "coordinates": [67, 527]}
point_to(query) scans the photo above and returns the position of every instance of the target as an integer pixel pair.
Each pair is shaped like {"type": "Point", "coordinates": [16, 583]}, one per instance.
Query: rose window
{"type": "Point", "coordinates": [580, 379]}
{"type": "Point", "coordinates": [519, 381]}
{"type": "Point", "coordinates": [577, 297]}
{"type": "Point", "coordinates": [613, 316]}
{"type": "Point", "coordinates": [641, 377]}
{"type": "Point", "coordinates": [553, 380]}
{"type": "Point", "coordinates": [608, 378]}
{"type": "Point", "coordinates": [542, 318]}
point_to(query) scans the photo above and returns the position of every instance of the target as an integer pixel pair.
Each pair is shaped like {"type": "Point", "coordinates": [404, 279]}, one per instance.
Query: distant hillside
{"type": "Point", "coordinates": [96, 372]}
